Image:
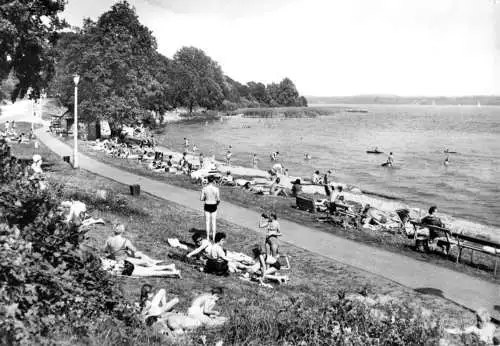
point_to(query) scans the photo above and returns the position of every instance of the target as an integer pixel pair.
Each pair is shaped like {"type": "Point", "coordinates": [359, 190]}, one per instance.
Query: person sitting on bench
{"type": "Point", "coordinates": [432, 220]}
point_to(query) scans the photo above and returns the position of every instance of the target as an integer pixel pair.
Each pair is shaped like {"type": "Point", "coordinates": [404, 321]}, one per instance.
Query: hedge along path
{"type": "Point", "coordinates": [462, 289]}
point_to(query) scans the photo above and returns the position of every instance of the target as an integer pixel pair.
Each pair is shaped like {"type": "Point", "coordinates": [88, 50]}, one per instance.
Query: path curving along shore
{"type": "Point", "coordinates": [460, 288]}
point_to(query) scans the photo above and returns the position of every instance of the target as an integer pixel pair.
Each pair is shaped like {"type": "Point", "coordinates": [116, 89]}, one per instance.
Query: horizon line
{"type": "Point", "coordinates": [409, 96]}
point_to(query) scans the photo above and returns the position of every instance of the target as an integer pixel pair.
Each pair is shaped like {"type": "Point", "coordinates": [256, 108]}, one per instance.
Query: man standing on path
{"type": "Point", "coordinates": [211, 198]}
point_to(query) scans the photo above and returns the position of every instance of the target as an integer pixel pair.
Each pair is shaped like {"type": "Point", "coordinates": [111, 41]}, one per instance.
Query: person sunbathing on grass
{"type": "Point", "coordinates": [119, 248]}
{"type": "Point", "coordinates": [126, 268]}
{"type": "Point", "coordinates": [77, 214]}
{"type": "Point", "coordinates": [200, 313]}
{"type": "Point", "coordinates": [206, 252]}
{"type": "Point", "coordinates": [277, 190]}
{"type": "Point", "coordinates": [203, 246]}
{"type": "Point", "coordinates": [217, 263]}
{"type": "Point", "coordinates": [154, 305]}
{"type": "Point", "coordinates": [267, 267]}
{"type": "Point", "coordinates": [228, 179]}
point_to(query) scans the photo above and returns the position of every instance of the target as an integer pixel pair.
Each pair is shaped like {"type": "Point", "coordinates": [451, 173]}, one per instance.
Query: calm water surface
{"type": "Point", "coordinates": [417, 135]}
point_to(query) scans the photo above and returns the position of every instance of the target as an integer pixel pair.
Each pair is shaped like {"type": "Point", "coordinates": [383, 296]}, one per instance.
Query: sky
{"type": "Point", "coordinates": [333, 47]}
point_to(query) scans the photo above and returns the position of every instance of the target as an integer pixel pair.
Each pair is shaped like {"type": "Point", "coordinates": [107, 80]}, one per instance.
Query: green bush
{"type": "Point", "coordinates": [325, 321]}
{"type": "Point", "coordinates": [47, 282]}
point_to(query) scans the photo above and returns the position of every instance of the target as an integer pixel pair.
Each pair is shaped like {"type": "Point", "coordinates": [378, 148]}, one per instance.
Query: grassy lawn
{"type": "Point", "coordinates": [150, 221]}
{"type": "Point", "coordinates": [482, 266]}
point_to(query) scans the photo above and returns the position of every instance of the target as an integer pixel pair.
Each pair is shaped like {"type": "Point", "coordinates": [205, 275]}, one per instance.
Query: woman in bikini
{"type": "Point", "coordinates": [273, 232]}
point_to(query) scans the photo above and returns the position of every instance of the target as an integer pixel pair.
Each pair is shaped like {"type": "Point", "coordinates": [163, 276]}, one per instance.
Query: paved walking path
{"type": "Point", "coordinates": [465, 290]}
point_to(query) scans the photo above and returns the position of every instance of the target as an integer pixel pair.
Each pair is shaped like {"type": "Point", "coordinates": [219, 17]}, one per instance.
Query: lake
{"type": "Point", "coordinates": [417, 135]}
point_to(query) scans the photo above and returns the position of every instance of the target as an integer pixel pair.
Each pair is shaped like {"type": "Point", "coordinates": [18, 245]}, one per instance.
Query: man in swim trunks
{"type": "Point", "coordinates": [211, 198]}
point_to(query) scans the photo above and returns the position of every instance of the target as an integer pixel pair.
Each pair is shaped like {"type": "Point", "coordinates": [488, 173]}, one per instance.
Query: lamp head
{"type": "Point", "coordinates": [76, 78]}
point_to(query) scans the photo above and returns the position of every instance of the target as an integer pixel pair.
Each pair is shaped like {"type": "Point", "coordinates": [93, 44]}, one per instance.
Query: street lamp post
{"type": "Point", "coordinates": [76, 79]}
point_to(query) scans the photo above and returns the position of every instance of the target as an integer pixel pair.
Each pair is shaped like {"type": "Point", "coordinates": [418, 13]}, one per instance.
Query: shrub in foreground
{"type": "Point", "coordinates": [48, 283]}
{"type": "Point", "coordinates": [323, 321]}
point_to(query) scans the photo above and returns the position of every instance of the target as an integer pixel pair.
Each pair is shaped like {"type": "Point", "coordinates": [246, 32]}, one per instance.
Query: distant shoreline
{"type": "Point", "coordinates": [480, 100]}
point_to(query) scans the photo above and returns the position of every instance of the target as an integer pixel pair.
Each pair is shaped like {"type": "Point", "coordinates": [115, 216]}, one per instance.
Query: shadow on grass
{"type": "Point", "coordinates": [430, 291]}
{"type": "Point", "coordinates": [111, 203]}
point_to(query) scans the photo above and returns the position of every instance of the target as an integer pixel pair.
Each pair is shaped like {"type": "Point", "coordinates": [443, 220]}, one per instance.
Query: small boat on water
{"type": "Point", "coordinates": [449, 152]}
{"type": "Point", "coordinates": [357, 110]}
{"type": "Point", "coordinates": [374, 152]}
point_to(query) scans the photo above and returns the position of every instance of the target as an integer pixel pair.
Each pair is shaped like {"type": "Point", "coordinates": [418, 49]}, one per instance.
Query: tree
{"type": "Point", "coordinates": [197, 79]}
{"type": "Point", "coordinates": [116, 58]}
{"type": "Point", "coordinates": [287, 94]}
{"type": "Point", "coordinates": [28, 28]}
{"type": "Point", "coordinates": [258, 92]}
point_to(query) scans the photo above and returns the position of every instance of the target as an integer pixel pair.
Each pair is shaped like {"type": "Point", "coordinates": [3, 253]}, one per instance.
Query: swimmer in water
{"type": "Point", "coordinates": [195, 148]}
{"type": "Point", "coordinates": [275, 156]}
{"type": "Point", "coordinates": [446, 161]}
{"type": "Point", "coordinates": [307, 156]}
{"type": "Point", "coordinates": [390, 160]}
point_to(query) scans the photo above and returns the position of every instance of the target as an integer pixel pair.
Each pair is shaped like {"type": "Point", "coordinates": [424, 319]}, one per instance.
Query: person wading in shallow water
{"type": "Point", "coordinates": [211, 198]}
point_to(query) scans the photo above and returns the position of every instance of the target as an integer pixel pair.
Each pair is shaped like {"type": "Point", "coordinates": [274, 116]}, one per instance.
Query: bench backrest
{"type": "Point", "coordinates": [305, 203]}
{"type": "Point", "coordinates": [444, 231]}
{"type": "Point", "coordinates": [476, 240]}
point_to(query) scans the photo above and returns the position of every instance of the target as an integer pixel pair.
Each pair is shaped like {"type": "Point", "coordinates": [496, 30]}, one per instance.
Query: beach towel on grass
{"type": "Point", "coordinates": [174, 242]}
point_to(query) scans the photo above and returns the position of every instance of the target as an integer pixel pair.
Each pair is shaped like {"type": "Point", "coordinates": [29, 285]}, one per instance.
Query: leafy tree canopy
{"type": "Point", "coordinates": [28, 28]}
{"type": "Point", "coordinates": [124, 78]}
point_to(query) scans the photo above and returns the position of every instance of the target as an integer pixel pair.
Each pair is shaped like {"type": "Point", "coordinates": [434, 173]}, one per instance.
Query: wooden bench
{"type": "Point", "coordinates": [305, 203]}
{"type": "Point", "coordinates": [448, 239]}
{"type": "Point", "coordinates": [445, 238]}
{"type": "Point", "coordinates": [478, 244]}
